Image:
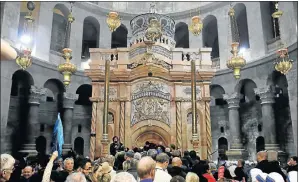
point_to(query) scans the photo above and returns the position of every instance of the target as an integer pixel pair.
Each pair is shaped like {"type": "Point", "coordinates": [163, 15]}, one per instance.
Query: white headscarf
{"type": "Point", "coordinates": [293, 176]}
{"type": "Point", "coordinates": [274, 177]}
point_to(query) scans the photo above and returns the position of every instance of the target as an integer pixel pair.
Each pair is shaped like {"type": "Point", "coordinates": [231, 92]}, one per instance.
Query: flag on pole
{"type": "Point", "coordinates": [57, 140]}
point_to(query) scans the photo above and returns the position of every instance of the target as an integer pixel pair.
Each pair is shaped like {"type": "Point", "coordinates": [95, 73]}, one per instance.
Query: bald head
{"type": "Point", "coordinates": [177, 162]}
{"type": "Point", "coordinates": [27, 172]}
{"type": "Point", "coordinates": [146, 168]}
{"type": "Point", "coordinates": [262, 155]}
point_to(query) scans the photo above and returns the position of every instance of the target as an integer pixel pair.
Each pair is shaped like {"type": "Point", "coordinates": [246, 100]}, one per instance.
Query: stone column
{"type": "Point", "coordinates": [178, 124]}
{"type": "Point", "coordinates": [122, 121]}
{"type": "Point", "coordinates": [236, 149]}
{"type": "Point", "coordinates": [36, 95]}
{"type": "Point", "coordinates": [68, 106]}
{"type": "Point", "coordinates": [269, 127]}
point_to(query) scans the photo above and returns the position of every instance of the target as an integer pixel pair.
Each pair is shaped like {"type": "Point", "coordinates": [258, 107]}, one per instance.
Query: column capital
{"type": "Point", "coordinates": [266, 94]}
{"type": "Point", "coordinates": [36, 94]}
{"type": "Point", "coordinates": [69, 100]}
{"type": "Point", "coordinates": [232, 99]}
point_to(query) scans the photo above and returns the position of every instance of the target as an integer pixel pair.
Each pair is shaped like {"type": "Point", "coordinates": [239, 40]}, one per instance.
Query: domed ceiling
{"type": "Point", "coordinates": [144, 7]}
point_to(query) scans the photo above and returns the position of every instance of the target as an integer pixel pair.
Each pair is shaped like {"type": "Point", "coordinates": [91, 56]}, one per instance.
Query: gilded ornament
{"type": "Point", "coordinates": [283, 64]}
{"type": "Point", "coordinates": [154, 30]}
{"type": "Point", "coordinates": [67, 68]}
{"type": "Point", "coordinates": [236, 62]}
{"type": "Point", "coordinates": [113, 21]}
{"type": "Point", "coordinates": [196, 25]}
{"type": "Point", "coordinates": [24, 61]}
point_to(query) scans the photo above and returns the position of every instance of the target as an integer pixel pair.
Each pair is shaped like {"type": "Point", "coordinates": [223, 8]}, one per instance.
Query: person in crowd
{"type": "Point", "coordinates": [137, 156]}
{"type": "Point", "coordinates": [27, 172]}
{"type": "Point", "coordinates": [194, 157]}
{"type": "Point", "coordinates": [207, 173]}
{"type": "Point", "coordinates": [176, 168]}
{"type": "Point", "coordinates": [177, 179]}
{"type": "Point", "coordinates": [7, 167]}
{"type": "Point", "coordinates": [119, 159]}
{"type": "Point", "coordinates": [254, 173]}
{"type": "Point", "coordinates": [146, 169]}
{"type": "Point", "coordinates": [110, 159]}
{"type": "Point", "coordinates": [86, 168]}
{"type": "Point", "coordinates": [266, 166]}
{"type": "Point", "coordinates": [103, 173]}
{"type": "Point", "coordinates": [292, 176]}
{"type": "Point", "coordinates": [116, 146]}
{"type": "Point", "coordinates": [60, 165]}
{"type": "Point", "coordinates": [132, 168]}
{"type": "Point", "coordinates": [152, 153]}
{"type": "Point", "coordinates": [76, 177]}
{"type": "Point", "coordinates": [162, 160]}
{"type": "Point", "coordinates": [60, 176]}
{"type": "Point", "coordinates": [192, 177]}
{"type": "Point", "coordinates": [187, 161]}
{"type": "Point", "coordinates": [239, 171]}
{"type": "Point", "coordinates": [292, 164]}
{"type": "Point", "coordinates": [129, 155]}
{"type": "Point", "coordinates": [274, 177]}
{"type": "Point", "coordinates": [123, 177]}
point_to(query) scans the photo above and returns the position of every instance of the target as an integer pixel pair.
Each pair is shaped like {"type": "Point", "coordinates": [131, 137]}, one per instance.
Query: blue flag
{"type": "Point", "coordinates": [58, 136]}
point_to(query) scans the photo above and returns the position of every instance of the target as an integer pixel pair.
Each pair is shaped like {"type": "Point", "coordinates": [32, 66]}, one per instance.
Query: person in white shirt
{"type": "Point", "coordinates": [162, 175]}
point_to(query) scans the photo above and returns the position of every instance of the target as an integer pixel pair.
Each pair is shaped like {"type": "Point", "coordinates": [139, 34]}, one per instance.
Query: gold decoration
{"type": "Point", "coordinates": [196, 25]}
{"type": "Point", "coordinates": [154, 30]}
{"type": "Point", "coordinates": [277, 13]}
{"type": "Point", "coordinates": [67, 68]}
{"type": "Point", "coordinates": [70, 18]}
{"type": "Point", "coordinates": [24, 61]}
{"type": "Point", "coordinates": [113, 21]}
{"type": "Point", "coordinates": [283, 63]}
{"type": "Point", "coordinates": [236, 62]}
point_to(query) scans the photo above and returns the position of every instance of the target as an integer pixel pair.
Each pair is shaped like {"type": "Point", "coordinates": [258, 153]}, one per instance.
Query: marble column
{"type": "Point", "coordinates": [36, 95]}
{"type": "Point", "coordinates": [236, 150]}
{"type": "Point", "coordinates": [178, 124]}
{"type": "Point", "coordinates": [269, 127]}
{"type": "Point", "coordinates": [68, 106]}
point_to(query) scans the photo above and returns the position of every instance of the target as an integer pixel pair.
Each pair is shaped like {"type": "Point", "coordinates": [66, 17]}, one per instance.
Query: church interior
{"type": "Point", "coordinates": [214, 77]}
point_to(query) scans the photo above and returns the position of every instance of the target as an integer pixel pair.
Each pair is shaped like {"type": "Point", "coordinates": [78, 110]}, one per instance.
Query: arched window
{"type": "Point", "coordinates": [55, 89]}
{"type": "Point", "coordinates": [59, 25]}
{"type": "Point", "coordinates": [79, 128]}
{"type": "Point", "coordinates": [270, 31]}
{"type": "Point", "coordinates": [260, 144]}
{"type": "Point", "coordinates": [181, 35]}
{"type": "Point", "coordinates": [42, 127]}
{"type": "Point", "coordinates": [21, 83]}
{"type": "Point", "coordinates": [119, 37]}
{"type": "Point", "coordinates": [210, 35]}
{"type": "Point", "coordinates": [247, 90]}
{"type": "Point", "coordinates": [91, 34]}
{"type": "Point", "coordinates": [259, 128]}
{"type": "Point", "coordinates": [189, 118]}
{"type": "Point", "coordinates": [110, 117]}
{"type": "Point", "coordinates": [222, 129]}
{"type": "Point", "coordinates": [78, 145]}
{"type": "Point", "coordinates": [41, 144]}
{"type": "Point", "coordinates": [241, 17]}
{"type": "Point", "coordinates": [84, 92]}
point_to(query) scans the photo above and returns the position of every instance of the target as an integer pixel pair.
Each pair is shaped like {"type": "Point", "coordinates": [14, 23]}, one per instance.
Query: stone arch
{"type": "Point", "coordinates": [267, 8]}
{"type": "Point", "coordinates": [59, 24]}
{"type": "Point", "coordinates": [222, 146]}
{"type": "Point", "coordinates": [216, 92]}
{"type": "Point", "coordinates": [57, 88]}
{"type": "Point", "coordinates": [21, 83]}
{"type": "Point", "coordinates": [260, 144]}
{"type": "Point", "coordinates": [157, 127]}
{"type": "Point", "coordinates": [41, 144]}
{"type": "Point", "coordinates": [210, 35]}
{"type": "Point", "coordinates": [189, 116]}
{"type": "Point", "coordinates": [84, 92]}
{"type": "Point", "coordinates": [245, 87]}
{"type": "Point", "coordinates": [119, 37]}
{"type": "Point", "coordinates": [91, 36]}
{"type": "Point", "coordinates": [181, 35]}
{"type": "Point", "coordinates": [241, 18]}
{"type": "Point", "coordinates": [79, 145]}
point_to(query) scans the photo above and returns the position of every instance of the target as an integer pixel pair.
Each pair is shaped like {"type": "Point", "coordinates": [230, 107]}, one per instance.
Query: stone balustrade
{"type": "Point", "coordinates": [162, 40]}
{"type": "Point", "coordinates": [179, 58]}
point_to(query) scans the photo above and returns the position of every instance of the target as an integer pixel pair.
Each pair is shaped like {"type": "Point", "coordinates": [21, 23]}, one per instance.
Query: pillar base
{"type": "Point", "coordinates": [30, 149]}
{"type": "Point", "coordinates": [272, 147]}
{"type": "Point", "coordinates": [236, 154]}
{"type": "Point", "coordinates": [66, 148]}
{"type": "Point", "coordinates": [105, 148]}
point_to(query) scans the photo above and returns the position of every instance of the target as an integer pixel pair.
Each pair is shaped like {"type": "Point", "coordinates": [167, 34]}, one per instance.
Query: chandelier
{"type": "Point", "coordinates": [113, 21]}
{"type": "Point", "coordinates": [196, 25]}
{"type": "Point", "coordinates": [67, 68]}
{"type": "Point", "coordinates": [24, 59]}
{"type": "Point", "coordinates": [236, 62]}
{"type": "Point", "coordinates": [283, 63]}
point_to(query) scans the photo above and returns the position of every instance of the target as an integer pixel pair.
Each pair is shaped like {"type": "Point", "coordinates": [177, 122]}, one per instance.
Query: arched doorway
{"type": "Point", "coordinates": [260, 144]}
{"type": "Point", "coordinates": [151, 137]}
{"type": "Point", "coordinates": [222, 147]}
{"type": "Point", "coordinates": [41, 144]}
{"type": "Point", "coordinates": [79, 145]}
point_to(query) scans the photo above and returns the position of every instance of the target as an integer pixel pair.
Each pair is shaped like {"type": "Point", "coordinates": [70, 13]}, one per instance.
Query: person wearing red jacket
{"type": "Point", "coordinates": [208, 174]}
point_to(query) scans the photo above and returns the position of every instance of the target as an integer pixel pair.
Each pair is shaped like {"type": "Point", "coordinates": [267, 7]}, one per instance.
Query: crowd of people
{"type": "Point", "coordinates": [151, 163]}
